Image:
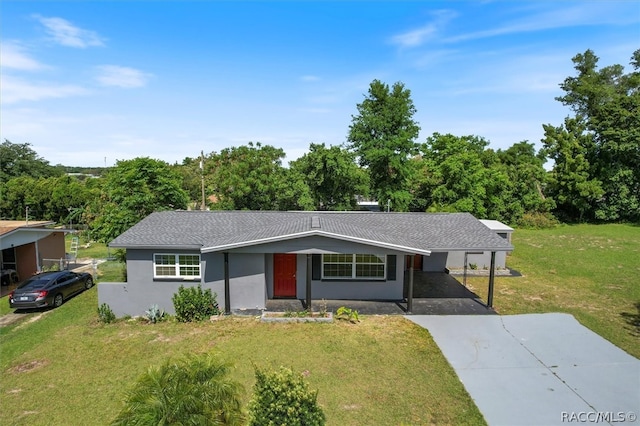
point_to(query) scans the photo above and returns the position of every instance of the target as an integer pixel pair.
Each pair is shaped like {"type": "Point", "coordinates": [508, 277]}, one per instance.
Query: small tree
{"type": "Point", "coordinates": [283, 398]}
{"type": "Point", "coordinates": [194, 390]}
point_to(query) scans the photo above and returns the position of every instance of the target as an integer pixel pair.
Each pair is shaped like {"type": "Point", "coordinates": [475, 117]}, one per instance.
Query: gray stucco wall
{"type": "Point", "coordinates": [437, 262]}
{"type": "Point", "coordinates": [455, 260]}
{"type": "Point", "coordinates": [247, 283]}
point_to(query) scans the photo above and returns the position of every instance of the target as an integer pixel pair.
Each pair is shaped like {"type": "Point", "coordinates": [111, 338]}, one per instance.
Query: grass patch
{"type": "Point", "coordinates": [88, 248]}
{"type": "Point", "coordinates": [589, 271]}
{"type": "Point", "coordinates": [383, 371]}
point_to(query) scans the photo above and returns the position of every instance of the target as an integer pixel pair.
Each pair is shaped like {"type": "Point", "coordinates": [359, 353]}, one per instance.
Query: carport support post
{"type": "Point", "coordinates": [227, 300]}
{"type": "Point", "coordinates": [410, 292]}
{"type": "Point", "coordinates": [492, 276]}
{"type": "Point", "coordinates": [308, 292]}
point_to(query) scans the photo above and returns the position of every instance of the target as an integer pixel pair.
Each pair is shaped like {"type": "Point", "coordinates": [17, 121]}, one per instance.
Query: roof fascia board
{"type": "Point", "coordinates": [156, 247]}
{"type": "Point", "coordinates": [318, 233]}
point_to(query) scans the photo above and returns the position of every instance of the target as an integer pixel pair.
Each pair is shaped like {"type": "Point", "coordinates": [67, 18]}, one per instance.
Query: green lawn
{"type": "Point", "coordinates": [67, 368]}
{"type": "Point", "coordinates": [589, 271]}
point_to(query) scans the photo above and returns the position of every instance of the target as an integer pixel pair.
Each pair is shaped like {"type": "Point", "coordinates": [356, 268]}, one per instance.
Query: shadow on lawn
{"type": "Point", "coordinates": [633, 319]}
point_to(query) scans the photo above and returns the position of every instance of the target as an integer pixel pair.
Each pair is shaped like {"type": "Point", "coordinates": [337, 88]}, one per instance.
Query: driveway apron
{"type": "Point", "coordinates": [538, 369]}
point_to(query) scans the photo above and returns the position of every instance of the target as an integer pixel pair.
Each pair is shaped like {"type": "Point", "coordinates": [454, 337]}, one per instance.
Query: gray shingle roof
{"type": "Point", "coordinates": [223, 230]}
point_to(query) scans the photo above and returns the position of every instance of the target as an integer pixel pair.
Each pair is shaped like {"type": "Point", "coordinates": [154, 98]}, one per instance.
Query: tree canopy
{"type": "Point", "coordinates": [605, 133]}
{"type": "Point", "coordinates": [251, 177]}
{"type": "Point", "coordinates": [21, 160]}
{"type": "Point", "coordinates": [594, 176]}
{"type": "Point", "coordinates": [383, 137]}
{"type": "Point", "coordinates": [132, 190]}
{"type": "Point", "coordinates": [333, 177]}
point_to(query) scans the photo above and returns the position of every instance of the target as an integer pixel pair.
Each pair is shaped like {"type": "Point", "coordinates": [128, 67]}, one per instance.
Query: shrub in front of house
{"type": "Point", "coordinates": [283, 398]}
{"type": "Point", "coordinates": [105, 314]}
{"type": "Point", "coordinates": [194, 304]}
{"type": "Point", "coordinates": [194, 390]}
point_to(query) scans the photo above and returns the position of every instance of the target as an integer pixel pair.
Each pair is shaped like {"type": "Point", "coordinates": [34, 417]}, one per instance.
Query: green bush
{"type": "Point", "coordinates": [194, 390]}
{"type": "Point", "coordinates": [105, 314]}
{"type": "Point", "coordinates": [536, 220]}
{"type": "Point", "coordinates": [283, 398]}
{"type": "Point", "coordinates": [194, 304]}
{"type": "Point", "coordinates": [348, 314]}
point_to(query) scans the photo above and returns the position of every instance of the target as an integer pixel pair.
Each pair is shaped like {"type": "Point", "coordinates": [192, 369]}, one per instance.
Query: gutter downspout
{"type": "Point", "coordinates": [308, 292]}
{"type": "Point", "coordinates": [227, 290]}
{"type": "Point", "coordinates": [410, 292]}
{"type": "Point", "coordinates": [492, 274]}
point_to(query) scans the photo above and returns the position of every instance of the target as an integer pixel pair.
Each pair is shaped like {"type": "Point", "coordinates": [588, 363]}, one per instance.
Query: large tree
{"type": "Point", "coordinates": [606, 102]}
{"type": "Point", "coordinates": [333, 177]}
{"type": "Point", "coordinates": [572, 183]}
{"type": "Point", "coordinates": [383, 135]}
{"type": "Point", "coordinates": [460, 174]}
{"type": "Point", "coordinates": [132, 190]}
{"type": "Point", "coordinates": [251, 177]}
{"type": "Point", "coordinates": [528, 180]}
{"type": "Point", "coordinates": [21, 160]}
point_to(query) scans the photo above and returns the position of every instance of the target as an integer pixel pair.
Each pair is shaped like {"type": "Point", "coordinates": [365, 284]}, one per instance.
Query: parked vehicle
{"type": "Point", "coordinates": [49, 289]}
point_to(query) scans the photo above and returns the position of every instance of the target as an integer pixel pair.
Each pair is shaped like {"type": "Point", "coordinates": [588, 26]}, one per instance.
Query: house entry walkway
{"type": "Point", "coordinates": [538, 369]}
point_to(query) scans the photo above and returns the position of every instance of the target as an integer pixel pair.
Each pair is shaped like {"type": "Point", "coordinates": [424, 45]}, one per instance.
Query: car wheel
{"type": "Point", "coordinates": [88, 284]}
{"type": "Point", "coordinates": [57, 301]}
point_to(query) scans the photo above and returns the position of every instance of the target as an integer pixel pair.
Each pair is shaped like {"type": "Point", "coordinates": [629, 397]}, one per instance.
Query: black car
{"type": "Point", "coordinates": [49, 289]}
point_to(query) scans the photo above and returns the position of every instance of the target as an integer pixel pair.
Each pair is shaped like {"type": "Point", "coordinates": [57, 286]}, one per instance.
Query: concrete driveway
{"type": "Point", "coordinates": [538, 369]}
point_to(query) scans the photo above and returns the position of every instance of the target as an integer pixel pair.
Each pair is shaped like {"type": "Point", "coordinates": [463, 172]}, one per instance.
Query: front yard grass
{"type": "Point", "coordinates": [589, 271]}
{"type": "Point", "coordinates": [68, 368]}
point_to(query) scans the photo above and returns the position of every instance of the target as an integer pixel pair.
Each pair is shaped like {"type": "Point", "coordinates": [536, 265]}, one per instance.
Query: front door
{"type": "Point", "coordinates": [284, 275]}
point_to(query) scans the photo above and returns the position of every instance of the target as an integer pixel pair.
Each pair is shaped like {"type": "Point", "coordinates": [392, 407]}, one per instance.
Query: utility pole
{"type": "Point", "coordinates": [202, 206]}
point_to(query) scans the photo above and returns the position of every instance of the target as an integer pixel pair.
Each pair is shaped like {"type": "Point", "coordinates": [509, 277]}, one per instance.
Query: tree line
{"type": "Point", "coordinates": [595, 175]}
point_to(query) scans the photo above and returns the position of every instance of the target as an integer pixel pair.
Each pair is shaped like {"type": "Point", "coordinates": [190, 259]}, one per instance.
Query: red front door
{"type": "Point", "coordinates": [284, 275]}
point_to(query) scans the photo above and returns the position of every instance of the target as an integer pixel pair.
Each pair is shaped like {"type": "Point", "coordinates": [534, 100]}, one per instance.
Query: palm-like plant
{"type": "Point", "coordinates": [194, 390]}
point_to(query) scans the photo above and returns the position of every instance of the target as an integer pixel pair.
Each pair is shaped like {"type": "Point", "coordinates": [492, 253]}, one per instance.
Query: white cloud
{"type": "Point", "coordinates": [16, 90]}
{"type": "Point", "coordinates": [67, 34]}
{"type": "Point", "coordinates": [419, 36]}
{"type": "Point", "coordinates": [114, 75]}
{"type": "Point", "coordinates": [583, 14]}
{"type": "Point", "coordinates": [13, 56]}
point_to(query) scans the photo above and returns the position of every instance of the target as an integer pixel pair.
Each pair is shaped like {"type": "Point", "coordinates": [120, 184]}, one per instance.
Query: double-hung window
{"type": "Point", "coordinates": [354, 266]}
{"type": "Point", "coordinates": [186, 266]}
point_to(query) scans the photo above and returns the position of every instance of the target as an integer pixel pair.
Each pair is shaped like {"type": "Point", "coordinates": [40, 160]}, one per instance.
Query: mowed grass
{"type": "Point", "coordinates": [589, 271]}
{"type": "Point", "coordinates": [67, 368]}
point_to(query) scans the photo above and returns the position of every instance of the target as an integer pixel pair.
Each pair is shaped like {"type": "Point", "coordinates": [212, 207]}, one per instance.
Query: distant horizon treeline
{"type": "Point", "coordinates": [595, 176]}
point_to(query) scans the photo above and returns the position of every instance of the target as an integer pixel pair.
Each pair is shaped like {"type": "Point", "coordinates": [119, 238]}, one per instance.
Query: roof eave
{"type": "Point", "coordinates": [157, 246]}
{"type": "Point", "coordinates": [395, 247]}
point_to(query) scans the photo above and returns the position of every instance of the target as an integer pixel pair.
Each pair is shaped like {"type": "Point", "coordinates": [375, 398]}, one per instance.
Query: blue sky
{"type": "Point", "coordinates": [89, 83]}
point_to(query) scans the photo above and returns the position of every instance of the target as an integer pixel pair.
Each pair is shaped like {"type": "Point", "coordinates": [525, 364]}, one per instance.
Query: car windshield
{"type": "Point", "coordinates": [34, 284]}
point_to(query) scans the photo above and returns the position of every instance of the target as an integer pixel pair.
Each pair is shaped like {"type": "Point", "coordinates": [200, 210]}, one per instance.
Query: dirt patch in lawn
{"type": "Point", "coordinates": [29, 366]}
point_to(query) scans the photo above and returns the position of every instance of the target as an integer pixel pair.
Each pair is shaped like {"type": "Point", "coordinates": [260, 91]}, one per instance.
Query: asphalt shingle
{"type": "Point", "coordinates": [212, 229]}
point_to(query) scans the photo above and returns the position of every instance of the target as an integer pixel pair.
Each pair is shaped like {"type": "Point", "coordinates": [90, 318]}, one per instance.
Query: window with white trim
{"type": "Point", "coordinates": [176, 266]}
{"type": "Point", "coordinates": [354, 266]}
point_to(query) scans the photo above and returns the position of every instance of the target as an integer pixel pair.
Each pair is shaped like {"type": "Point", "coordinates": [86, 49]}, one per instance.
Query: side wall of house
{"type": "Point", "coordinates": [246, 283]}
{"type": "Point", "coordinates": [455, 260]}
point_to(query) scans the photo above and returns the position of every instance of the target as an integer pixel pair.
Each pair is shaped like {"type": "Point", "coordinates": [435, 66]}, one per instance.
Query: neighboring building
{"type": "Point", "coordinates": [248, 257]}
{"type": "Point", "coordinates": [25, 247]}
